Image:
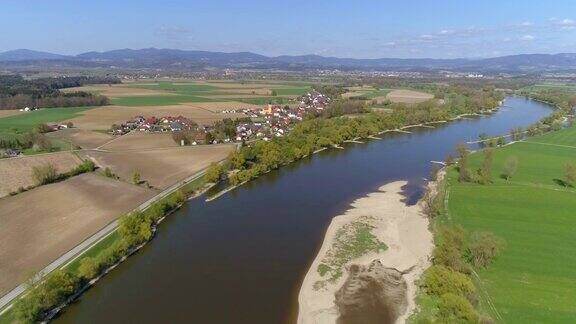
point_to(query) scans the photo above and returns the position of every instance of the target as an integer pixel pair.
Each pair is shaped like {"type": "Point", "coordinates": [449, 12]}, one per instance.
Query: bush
{"type": "Point", "coordinates": [89, 268]}
{"type": "Point", "coordinates": [109, 174]}
{"type": "Point", "coordinates": [214, 173]}
{"type": "Point", "coordinates": [510, 166]}
{"type": "Point", "coordinates": [440, 280]}
{"type": "Point", "coordinates": [136, 178]}
{"type": "Point", "coordinates": [450, 249]}
{"type": "Point", "coordinates": [456, 309]}
{"type": "Point", "coordinates": [44, 174]}
{"type": "Point", "coordinates": [483, 247]}
{"type": "Point", "coordinates": [84, 167]}
{"type": "Point", "coordinates": [44, 296]}
{"type": "Point", "coordinates": [570, 174]}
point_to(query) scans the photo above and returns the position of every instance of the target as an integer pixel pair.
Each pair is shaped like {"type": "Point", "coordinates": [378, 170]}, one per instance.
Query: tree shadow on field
{"type": "Point", "coordinates": [562, 183]}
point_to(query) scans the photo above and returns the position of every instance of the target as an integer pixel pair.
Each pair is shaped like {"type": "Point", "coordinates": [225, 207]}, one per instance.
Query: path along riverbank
{"type": "Point", "coordinates": [409, 243]}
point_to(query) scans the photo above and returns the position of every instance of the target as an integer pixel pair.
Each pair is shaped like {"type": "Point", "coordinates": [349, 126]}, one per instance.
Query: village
{"type": "Point", "coordinates": [263, 123]}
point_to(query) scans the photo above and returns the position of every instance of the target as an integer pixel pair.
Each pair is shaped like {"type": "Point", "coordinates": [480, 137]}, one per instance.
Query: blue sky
{"type": "Point", "coordinates": [359, 28]}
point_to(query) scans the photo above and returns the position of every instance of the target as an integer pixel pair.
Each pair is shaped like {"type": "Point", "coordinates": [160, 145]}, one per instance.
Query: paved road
{"type": "Point", "coordinates": [85, 245]}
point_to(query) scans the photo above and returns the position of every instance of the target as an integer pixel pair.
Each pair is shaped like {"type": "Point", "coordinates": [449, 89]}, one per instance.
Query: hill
{"type": "Point", "coordinates": [182, 59]}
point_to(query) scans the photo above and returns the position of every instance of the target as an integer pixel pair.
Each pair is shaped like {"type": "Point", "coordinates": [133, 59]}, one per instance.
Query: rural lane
{"type": "Point", "coordinates": [92, 240]}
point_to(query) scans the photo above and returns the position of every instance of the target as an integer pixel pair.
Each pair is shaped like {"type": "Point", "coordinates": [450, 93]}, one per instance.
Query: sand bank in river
{"type": "Point", "coordinates": [404, 231]}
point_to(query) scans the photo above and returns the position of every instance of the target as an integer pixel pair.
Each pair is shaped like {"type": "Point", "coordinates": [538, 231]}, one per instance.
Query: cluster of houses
{"type": "Point", "coordinates": [314, 100]}
{"type": "Point", "coordinates": [264, 122]}
{"type": "Point", "coordinates": [275, 120]}
{"type": "Point", "coordinates": [154, 125]}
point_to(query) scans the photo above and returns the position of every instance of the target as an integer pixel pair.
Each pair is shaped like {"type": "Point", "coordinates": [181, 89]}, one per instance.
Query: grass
{"type": "Point", "coordinates": [27, 121]}
{"type": "Point", "coordinates": [159, 100]}
{"type": "Point", "coordinates": [292, 91]}
{"type": "Point", "coordinates": [264, 100]}
{"type": "Point", "coordinates": [350, 242]}
{"type": "Point", "coordinates": [534, 280]}
{"type": "Point", "coordinates": [184, 88]}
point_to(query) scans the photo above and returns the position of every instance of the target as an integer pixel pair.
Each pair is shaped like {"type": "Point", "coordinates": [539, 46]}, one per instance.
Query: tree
{"type": "Point", "coordinates": [463, 169]}
{"type": "Point", "coordinates": [42, 128]}
{"type": "Point", "coordinates": [88, 268]}
{"type": "Point", "coordinates": [483, 247]}
{"type": "Point", "coordinates": [456, 309]}
{"type": "Point", "coordinates": [237, 160]}
{"type": "Point", "coordinates": [440, 280]}
{"type": "Point", "coordinates": [274, 93]}
{"type": "Point", "coordinates": [485, 171]}
{"type": "Point", "coordinates": [510, 166]}
{"type": "Point", "coordinates": [136, 179]}
{"type": "Point", "coordinates": [501, 141]}
{"type": "Point", "coordinates": [570, 174]}
{"type": "Point", "coordinates": [214, 172]}
{"type": "Point", "coordinates": [44, 174]}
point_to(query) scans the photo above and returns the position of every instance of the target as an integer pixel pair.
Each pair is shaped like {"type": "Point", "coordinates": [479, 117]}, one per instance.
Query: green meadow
{"type": "Point", "coordinates": [159, 100]}
{"type": "Point", "coordinates": [534, 280]}
{"type": "Point", "coordinates": [26, 121]}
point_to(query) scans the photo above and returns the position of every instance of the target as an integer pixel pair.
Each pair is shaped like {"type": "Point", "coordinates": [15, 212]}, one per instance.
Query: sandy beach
{"type": "Point", "coordinates": [409, 244]}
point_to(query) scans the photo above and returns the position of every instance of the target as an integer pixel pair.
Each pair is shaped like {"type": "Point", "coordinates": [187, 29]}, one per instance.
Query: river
{"type": "Point", "coordinates": [241, 258]}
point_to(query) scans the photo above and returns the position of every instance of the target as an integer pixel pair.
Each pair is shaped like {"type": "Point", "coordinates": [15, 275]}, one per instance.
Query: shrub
{"type": "Point", "coordinates": [463, 169]}
{"type": "Point", "coordinates": [89, 268]}
{"type": "Point", "coordinates": [485, 171]}
{"type": "Point", "coordinates": [214, 172]}
{"type": "Point", "coordinates": [570, 174]}
{"type": "Point", "coordinates": [510, 166]}
{"type": "Point", "coordinates": [85, 166]}
{"type": "Point", "coordinates": [45, 295]}
{"type": "Point", "coordinates": [450, 249]}
{"type": "Point", "coordinates": [44, 174]}
{"type": "Point", "coordinates": [440, 280]}
{"type": "Point", "coordinates": [483, 247]}
{"type": "Point", "coordinates": [109, 174]}
{"type": "Point", "coordinates": [136, 179]}
{"type": "Point", "coordinates": [42, 128]}
{"type": "Point", "coordinates": [456, 309]}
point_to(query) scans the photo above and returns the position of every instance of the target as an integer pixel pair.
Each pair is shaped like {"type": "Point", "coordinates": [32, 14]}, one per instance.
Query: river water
{"type": "Point", "coordinates": [241, 258]}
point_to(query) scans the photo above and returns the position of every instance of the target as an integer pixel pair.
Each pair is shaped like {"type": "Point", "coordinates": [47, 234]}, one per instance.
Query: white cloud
{"type": "Point", "coordinates": [527, 38]}
{"type": "Point", "coordinates": [567, 24]}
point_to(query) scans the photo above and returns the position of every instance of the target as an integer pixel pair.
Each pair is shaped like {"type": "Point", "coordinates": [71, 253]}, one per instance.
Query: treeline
{"type": "Point", "coordinates": [17, 92]}
{"type": "Point", "coordinates": [134, 229]}
{"type": "Point", "coordinates": [317, 133]}
{"type": "Point", "coordinates": [448, 293]}
{"type": "Point", "coordinates": [564, 103]}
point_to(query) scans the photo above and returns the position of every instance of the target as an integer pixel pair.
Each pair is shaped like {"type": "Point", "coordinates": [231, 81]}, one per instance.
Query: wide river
{"type": "Point", "coordinates": [241, 258]}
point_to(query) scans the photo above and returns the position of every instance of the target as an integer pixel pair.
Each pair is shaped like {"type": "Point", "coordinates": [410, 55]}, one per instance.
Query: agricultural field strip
{"type": "Point", "coordinates": [91, 241]}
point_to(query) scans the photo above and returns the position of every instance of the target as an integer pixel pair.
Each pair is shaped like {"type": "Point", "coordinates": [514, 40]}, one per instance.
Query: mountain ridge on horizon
{"type": "Point", "coordinates": [173, 58]}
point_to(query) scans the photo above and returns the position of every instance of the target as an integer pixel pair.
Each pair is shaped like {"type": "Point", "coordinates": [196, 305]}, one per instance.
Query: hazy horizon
{"type": "Point", "coordinates": [363, 29]}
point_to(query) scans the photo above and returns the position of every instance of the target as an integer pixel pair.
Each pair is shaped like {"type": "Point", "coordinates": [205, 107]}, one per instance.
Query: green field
{"type": "Point", "coordinates": [27, 121]}
{"type": "Point", "coordinates": [534, 280]}
{"type": "Point", "coordinates": [184, 87]}
{"type": "Point", "coordinates": [157, 100]}
{"type": "Point", "coordinates": [264, 100]}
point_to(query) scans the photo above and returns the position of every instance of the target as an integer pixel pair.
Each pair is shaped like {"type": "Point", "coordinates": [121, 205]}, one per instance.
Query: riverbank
{"type": "Point", "coordinates": [514, 289]}
{"type": "Point", "coordinates": [401, 228]}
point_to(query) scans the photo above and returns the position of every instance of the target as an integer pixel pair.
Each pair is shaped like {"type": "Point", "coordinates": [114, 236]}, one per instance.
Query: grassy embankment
{"type": "Point", "coordinates": [534, 279]}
